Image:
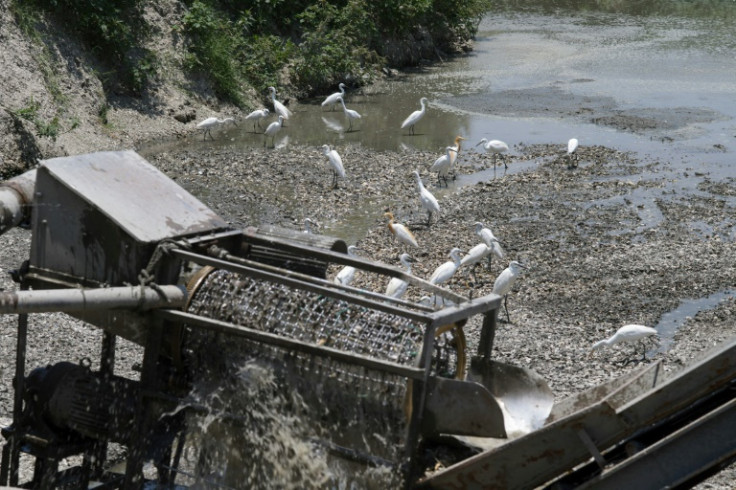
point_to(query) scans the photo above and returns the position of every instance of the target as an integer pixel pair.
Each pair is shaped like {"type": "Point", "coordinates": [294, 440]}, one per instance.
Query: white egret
{"type": "Point", "coordinates": [505, 281]}
{"type": "Point", "coordinates": [335, 162]}
{"type": "Point", "coordinates": [351, 114]}
{"type": "Point", "coordinates": [626, 334]}
{"type": "Point", "coordinates": [456, 151]}
{"type": "Point", "coordinates": [397, 286]}
{"type": "Point", "coordinates": [278, 106]}
{"type": "Point", "coordinates": [415, 116]}
{"type": "Point", "coordinates": [474, 256]}
{"type": "Point", "coordinates": [401, 232]}
{"type": "Point", "coordinates": [272, 129]}
{"type": "Point", "coordinates": [332, 99]}
{"type": "Point", "coordinates": [347, 273]}
{"type": "Point", "coordinates": [256, 117]}
{"type": "Point", "coordinates": [209, 123]}
{"type": "Point", "coordinates": [429, 202]}
{"type": "Point", "coordinates": [572, 147]}
{"type": "Point", "coordinates": [308, 223]}
{"type": "Point", "coordinates": [489, 239]}
{"type": "Point", "coordinates": [497, 147]}
{"type": "Point", "coordinates": [444, 272]}
{"type": "Point", "coordinates": [442, 165]}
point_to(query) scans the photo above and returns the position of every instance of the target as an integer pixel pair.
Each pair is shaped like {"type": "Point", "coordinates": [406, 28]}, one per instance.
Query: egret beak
{"type": "Point", "coordinates": [479, 143]}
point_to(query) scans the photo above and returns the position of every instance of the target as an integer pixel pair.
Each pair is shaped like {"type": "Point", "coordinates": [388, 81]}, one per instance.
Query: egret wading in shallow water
{"type": "Point", "coordinates": [332, 100]}
{"type": "Point", "coordinates": [256, 117]}
{"type": "Point", "coordinates": [572, 147]}
{"type": "Point", "coordinates": [442, 165]}
{"type": "Point", "coordinates": [626, 334]}
{"type": "Point", "coordinates": [209, 123]}
{"type": "Point", "coordinates": [351, 114]}
{"type": "Point", "coordinates": [429, 202]}
{"type": "Point", "coordinates": [333, 158]}
{"type": "Point", "coordinates": [505, 281]}
{"type": "Point", "coordinates": [280, 108]}
{"type": "Point", "coordinates": [400, 231]}
{"type": "Point", "coordinates": [415, 116]}
{"type": "Point", "coordinates": [455, 153]}
{"type": "Point", "coordinates": [396, 286]}
{"type": "Point", "coordinates": [347, 273]}
{"type": "Point", "coordinates": [272, 129]}
{"type": "Point", "coordinates": [489, 239]}
{"type": "Point", "coordinates": [496, 147]}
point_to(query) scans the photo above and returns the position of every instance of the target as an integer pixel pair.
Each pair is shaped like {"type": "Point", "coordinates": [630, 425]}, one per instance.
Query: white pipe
{"type": "Point", "coordinates": [76, 300]}
{"type": "Point", "coordinates": [15, 195]}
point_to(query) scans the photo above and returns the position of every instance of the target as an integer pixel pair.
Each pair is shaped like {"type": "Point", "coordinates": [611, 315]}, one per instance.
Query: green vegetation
{"type": "Point", "coordinates": [309, 46]}
{"type": "Point", "coordinates": [316, 43]}
{"type": "Point", "coordinates": [47, 128]}
{"type": "Point", "coordinates": [112, 29]}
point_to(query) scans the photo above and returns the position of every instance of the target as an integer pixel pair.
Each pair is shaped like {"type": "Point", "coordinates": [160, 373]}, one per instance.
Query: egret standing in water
{"type": "Point", "coordinates": [256, 117]}
{"type": "Point", "coordinates": [332, 100]}
{"type": "Point", "coordinates": [415, 116]}
{"type": "Point", "coordinates": [333, 158]}
{"type": "Point", "coordinates": [347, 273]}
{"type": "Point", "coordinates": [429, 202]}
{"type": "Point", "coordinates": [209, 123]}
{"type": "Point", "coordinates": [351, 114]}
{"type": "Point", "coordinates": [496, 147]}
{"type": "Point", "coordinates": [505, 281]}
{"type": "Point", "coordinates": [625, 334]}
{"type": "Point", "coordinates": [401, 232]}
{"type": "Point", "coordinates": [397, 286]}
{"type": "Point", "coordinates": [572, 147]}
{"type": "Point", "coordinates": [489, 239]}
{"type": "Point", "coordinates": [280, 108]}
{"type": "Point", "coordinates": [442, 165]}
{"type": "Point", "coordinates": [272, 129]}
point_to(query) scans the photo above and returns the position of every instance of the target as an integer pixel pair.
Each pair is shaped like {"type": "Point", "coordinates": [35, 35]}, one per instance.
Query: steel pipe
{"type": "Point", "coordinates": [15, 195]}
{"type": "Point", "coordinates": [75, 300]}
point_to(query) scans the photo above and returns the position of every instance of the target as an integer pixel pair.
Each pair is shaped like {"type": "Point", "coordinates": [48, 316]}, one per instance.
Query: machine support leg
{"type": "Point", "coordinates": [487, 334]}
{"type": "Point", "coordinates": [134, 467]}
{"type": "Point", "coordinates": [107, 369]}
{"type": "Point", "coordinates": [11, 452]}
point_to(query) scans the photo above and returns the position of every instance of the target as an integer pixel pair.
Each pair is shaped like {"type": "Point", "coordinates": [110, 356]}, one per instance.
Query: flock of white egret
{"type": "Point", "coordinates": [443, 166]}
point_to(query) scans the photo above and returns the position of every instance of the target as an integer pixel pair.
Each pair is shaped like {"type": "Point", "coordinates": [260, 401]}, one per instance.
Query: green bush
{"type": "Point", "coordinates": [334, 47]}
{"type": "Point", "coordinates": [112, 29]}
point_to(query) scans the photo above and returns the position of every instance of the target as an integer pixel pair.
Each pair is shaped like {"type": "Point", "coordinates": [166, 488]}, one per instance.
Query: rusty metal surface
{"type": "Point", "coordinates": [461, 407]}
{"type": "Point", "coordinates": [524, 462]}
{"type": "Point", "coordinates": [543, 455]}
{"type": "Point", "coordinates": [678, 459]}
{"type": "Point", "coordinates": [127, 189]}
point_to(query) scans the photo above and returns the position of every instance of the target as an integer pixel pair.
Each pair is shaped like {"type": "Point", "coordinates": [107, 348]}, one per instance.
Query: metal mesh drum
{"type": "Point", "coordinates": [363, 402]}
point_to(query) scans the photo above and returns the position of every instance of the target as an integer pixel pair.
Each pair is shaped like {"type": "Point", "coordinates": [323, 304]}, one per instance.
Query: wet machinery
{"type": "Point", "coordinates": [383, 383]}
